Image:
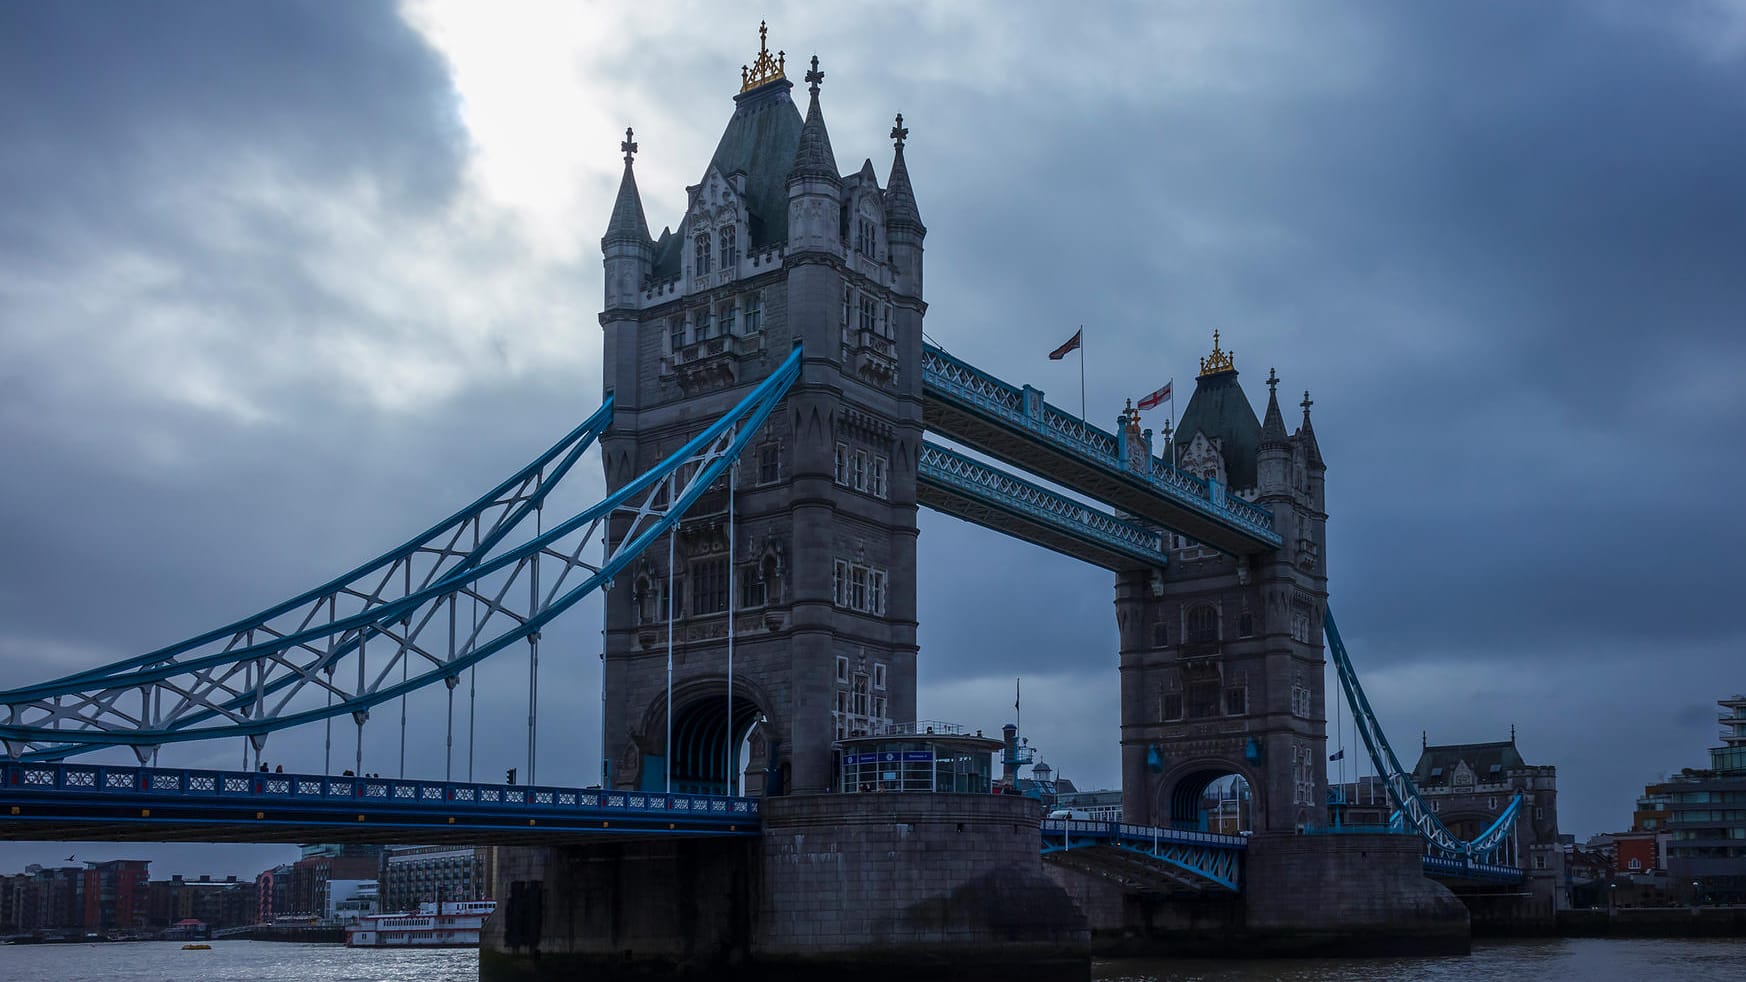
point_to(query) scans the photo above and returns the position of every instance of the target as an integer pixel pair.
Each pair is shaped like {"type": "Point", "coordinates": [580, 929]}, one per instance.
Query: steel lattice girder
{"type": "Point", "coordinates": [956, 485]}
{"type": "Point", "coordinates": [225, 692]}
{"type": "Point", "coordinates": [969, 406]}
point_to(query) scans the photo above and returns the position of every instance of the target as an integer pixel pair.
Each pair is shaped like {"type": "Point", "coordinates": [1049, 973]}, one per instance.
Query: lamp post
{"type": "Point", "coordinates": [1694, 895]}
{"type": "Point", "coordinates": [1612, 896]}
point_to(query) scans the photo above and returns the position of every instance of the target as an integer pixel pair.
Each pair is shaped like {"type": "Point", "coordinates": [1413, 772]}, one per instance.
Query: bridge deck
{"type": "Point", "coordinates": [956, 485]}
{"type": "Point", "coordinates": [1014, 424]}
{"type": "Point", "coordinates": [84, 802]}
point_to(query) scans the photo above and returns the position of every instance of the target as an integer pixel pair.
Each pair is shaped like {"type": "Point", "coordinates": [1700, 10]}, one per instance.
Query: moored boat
{"type": "Point", "coordinates": [450, 925]}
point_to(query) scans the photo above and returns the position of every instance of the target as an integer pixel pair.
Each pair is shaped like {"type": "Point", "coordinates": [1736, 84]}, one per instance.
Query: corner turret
{"type": "Point", "coordinates": [629, 251]}
{"type": "Point", "coordinates": [1273, 459]}
{"type": "Point", "coordinates": [814, 187]}
{"type": "Point", "coordinates": [903, 224]}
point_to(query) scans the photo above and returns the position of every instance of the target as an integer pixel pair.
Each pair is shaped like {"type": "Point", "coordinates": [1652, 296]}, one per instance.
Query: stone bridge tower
{"type": "Point", "coordinates": [1221, 656]}
{"type": "Point", "coordinates": [776, 247]}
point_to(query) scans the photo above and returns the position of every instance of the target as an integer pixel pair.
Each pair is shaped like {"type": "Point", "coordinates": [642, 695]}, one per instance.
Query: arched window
{"type": "Point", "coordinates": [1246, 625]}
{"type": "Point", "coordinates": [1203, 623]}
{"type": "Point", "coordinates": [730, 248]}
{"type": "Point", "coordinates": [702, 255]}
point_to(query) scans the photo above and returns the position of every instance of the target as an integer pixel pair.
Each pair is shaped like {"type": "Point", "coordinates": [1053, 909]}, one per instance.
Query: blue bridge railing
{"type": "Point", "coordinates": [57, 790]}
{"type": "Point", "coordinates": [1208, 857]}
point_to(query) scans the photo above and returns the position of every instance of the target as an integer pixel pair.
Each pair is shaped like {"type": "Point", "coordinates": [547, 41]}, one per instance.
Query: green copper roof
{"type": "Point", "coordinates": [1220, 410]}
{"type": "Point", "coordinates": [760, 140]}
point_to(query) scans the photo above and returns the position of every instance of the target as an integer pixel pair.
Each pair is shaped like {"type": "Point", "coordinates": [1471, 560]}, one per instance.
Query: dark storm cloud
{"type": "Point", "coordinates": [1502, 243]}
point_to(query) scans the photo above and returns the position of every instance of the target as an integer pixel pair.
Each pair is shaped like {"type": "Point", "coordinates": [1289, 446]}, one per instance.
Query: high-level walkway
{"type": "Point", "coordinates": [1013, 423]}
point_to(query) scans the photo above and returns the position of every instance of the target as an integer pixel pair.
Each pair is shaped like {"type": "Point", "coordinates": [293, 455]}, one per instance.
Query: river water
{"type": "Point", "coordinates": [1587, 960]}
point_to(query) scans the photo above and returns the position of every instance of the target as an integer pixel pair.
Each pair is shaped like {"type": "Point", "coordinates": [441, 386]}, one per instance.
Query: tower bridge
{"type": "Point", "coordinates": [765, 442]}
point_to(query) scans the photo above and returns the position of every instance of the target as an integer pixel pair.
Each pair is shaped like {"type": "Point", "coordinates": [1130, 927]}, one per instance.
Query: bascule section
{"type": "Point", "coordinates": [797, 569]}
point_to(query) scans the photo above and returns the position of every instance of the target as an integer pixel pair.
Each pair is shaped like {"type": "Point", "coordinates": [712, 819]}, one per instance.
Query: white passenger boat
{"type": "Point", "coordinates": [456, 925]}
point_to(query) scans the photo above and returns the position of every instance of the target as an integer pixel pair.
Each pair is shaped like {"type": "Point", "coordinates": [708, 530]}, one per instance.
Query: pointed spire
{"type": "Point", "coordinates": [627, 212]}
{"type": "Point", "coordinates": [1307, 434]}
{"type": "Point", "coordinates": [813, 157]}
{"type": "Point", "coordinates": [1273, 426]}
{"type": "Point", "coordinates": [900, 206]}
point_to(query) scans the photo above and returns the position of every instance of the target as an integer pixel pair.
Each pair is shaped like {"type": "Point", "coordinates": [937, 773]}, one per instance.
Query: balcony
{"type": "Point", "coordinates": [875, 357]}
{"type": "Point", "coordinates": [714, 363]}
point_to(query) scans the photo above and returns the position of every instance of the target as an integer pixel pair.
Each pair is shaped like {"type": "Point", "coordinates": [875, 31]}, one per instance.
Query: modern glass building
{"type": "Point", "coordinates": [1703, 813]}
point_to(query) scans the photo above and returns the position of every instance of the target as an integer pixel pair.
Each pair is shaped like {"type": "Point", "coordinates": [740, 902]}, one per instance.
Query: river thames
{"type": "Point", "coordinates": [1590, 960]}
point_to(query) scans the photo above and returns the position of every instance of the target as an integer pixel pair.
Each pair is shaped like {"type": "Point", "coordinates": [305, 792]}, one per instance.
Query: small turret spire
{"type": "Point", "coordinates": [1307, 433]}
{"type": "Point", "coordinates": [1273, 424]}
{"type": "Point", "coordinates": [813, 156]}
{"type": "Point", "coordinates": [627, 223]}
{"type": "Point", "coordinates": [900, 209]}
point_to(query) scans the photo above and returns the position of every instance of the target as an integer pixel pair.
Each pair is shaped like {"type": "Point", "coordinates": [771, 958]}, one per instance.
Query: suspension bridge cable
{"type": "Point", "coordinates": [405, 664]}
{"type": "Point", "coordinates": [449, 684]}
{"type": "Point", "coordinates": [733, 561]}
{"type": "Point", "coordinates": [473, 672]}
{"type": "Point", "coordinates": [533, 652]}
{"type": "Point", "coordinates": [672, 534]}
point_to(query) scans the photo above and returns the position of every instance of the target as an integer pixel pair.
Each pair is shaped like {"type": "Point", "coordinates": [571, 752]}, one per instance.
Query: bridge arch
{"type": "Point", "coordinates": [1183, 792]}
{"type": "Point", "coordinates": [702, 736]}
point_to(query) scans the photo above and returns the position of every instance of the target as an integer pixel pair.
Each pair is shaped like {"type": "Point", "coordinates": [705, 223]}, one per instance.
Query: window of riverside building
{"type": "Point", "coordinates": [879, 675]}
{"type": "Point", "coordinates": [705, 328]}
{"type": "Point", "coordinates": [859, 471]}
{"type": "Point", "coordinates": [876, 591]}
{"type": "Point", "coordinates": [1172, 705]}
{"type": "Point", "coordinates": [881, 469]}
{"type": "Point", "coordinates": [767, 464]}
{"type": "Point", "coordinates": [1246, 625]}
{"type": "Point", "coordinates": [842, 668]}
{"type": "Point", "coordinates": [676, 333]}
{"type": "Point", "coordinates": [839, 583]}
{"type": "Point", "coordinates": [724, 319]}
{"type": "Point", "coordinates": [862, 698]}
{"type": "Point", "coordinates": [848, 304]}
{"type": "Point", "coordinates": [730, 248]}
{"type": "Point", "coordinates": [701, 255]}
{"type": "Point", "coordinates": [842, 462]}
{"type": "Point", "coordinates": [865, 238]}
{"type": "Point", "coordinates": [858, 587]}
{"type": "Point", "coordinates": [709, 586]}
{"type": "Point", "coordinates": [1203, 623]}
{"type": "Point", "coordinates": [754, 311]}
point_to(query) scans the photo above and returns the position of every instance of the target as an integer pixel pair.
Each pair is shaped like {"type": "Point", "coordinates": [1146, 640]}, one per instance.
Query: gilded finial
{"type": "Point", "coordinates": [814, 77]}
{"type": "Point", "coordinates": [899, 133]}
{"type": "Point", "coordinates": [1218, 362]}
{"type": "Point", "coordinates": [629, 146]}
{"type": "Point", "coordinates": [764, 69]}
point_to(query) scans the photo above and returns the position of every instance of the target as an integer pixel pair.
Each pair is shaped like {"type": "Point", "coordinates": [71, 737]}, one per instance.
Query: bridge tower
{"type": "Point", "coordinates": [1221, 655]}
{"type": "Point", "coordinates": [776, 247]}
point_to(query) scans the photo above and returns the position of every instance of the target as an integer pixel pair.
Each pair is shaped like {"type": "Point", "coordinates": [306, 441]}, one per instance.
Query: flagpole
{"type": "Point", "coordinates": [1082, 374]}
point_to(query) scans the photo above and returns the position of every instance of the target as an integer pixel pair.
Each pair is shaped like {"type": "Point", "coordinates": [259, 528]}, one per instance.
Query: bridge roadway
{"type": "Point", "coordinates": [100, 803]}
{"type": "Point", "coordinates": [1012, 423]}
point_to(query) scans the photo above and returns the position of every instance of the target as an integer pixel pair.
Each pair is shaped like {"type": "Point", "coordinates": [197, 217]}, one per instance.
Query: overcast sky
{"type": "Point", "coordinates": [281, 284]}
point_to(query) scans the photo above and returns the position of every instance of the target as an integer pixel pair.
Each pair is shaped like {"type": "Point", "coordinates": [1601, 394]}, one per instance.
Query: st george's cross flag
{"type": "Point", "coordinates": [1157, 398]}
{"type": "Point", "coordinates": [1072, 343]}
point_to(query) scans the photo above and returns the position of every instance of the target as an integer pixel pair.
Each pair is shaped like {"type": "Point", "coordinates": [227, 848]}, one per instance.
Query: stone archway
{"type": "Point", "coordinates": [709, 751]}
{"type": "Point", "coordinates": [1186, 798]}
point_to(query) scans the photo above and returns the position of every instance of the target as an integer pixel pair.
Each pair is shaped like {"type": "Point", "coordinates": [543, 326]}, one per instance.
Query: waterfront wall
{"type": "Point", "coordinates": [1348, 894]}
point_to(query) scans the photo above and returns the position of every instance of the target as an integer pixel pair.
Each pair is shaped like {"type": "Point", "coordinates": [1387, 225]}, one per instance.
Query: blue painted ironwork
{"type": "Point", "coordinates": [52, 794]}
{"type": "Point", "coordinates": [250, 685]}
{"type": "Point", "coordinates": [1449, 867]}
{"type": "Point", "coordinates": [991, 486]}
{"type": "Point", "coordinates": [1209, 856]}
{"type": "Point", "coordinates": [1412, 811]}
{"type": "Point", "coordinates": [1023, 409]}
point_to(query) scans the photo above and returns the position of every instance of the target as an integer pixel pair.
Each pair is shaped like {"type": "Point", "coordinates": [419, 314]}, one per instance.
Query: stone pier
{"type": "Point", "coordinates": [925, 886]}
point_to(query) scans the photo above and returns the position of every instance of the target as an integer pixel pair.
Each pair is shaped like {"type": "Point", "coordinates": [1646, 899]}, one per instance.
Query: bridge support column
{"type": "Point", "coordinates": [1348, 894]}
